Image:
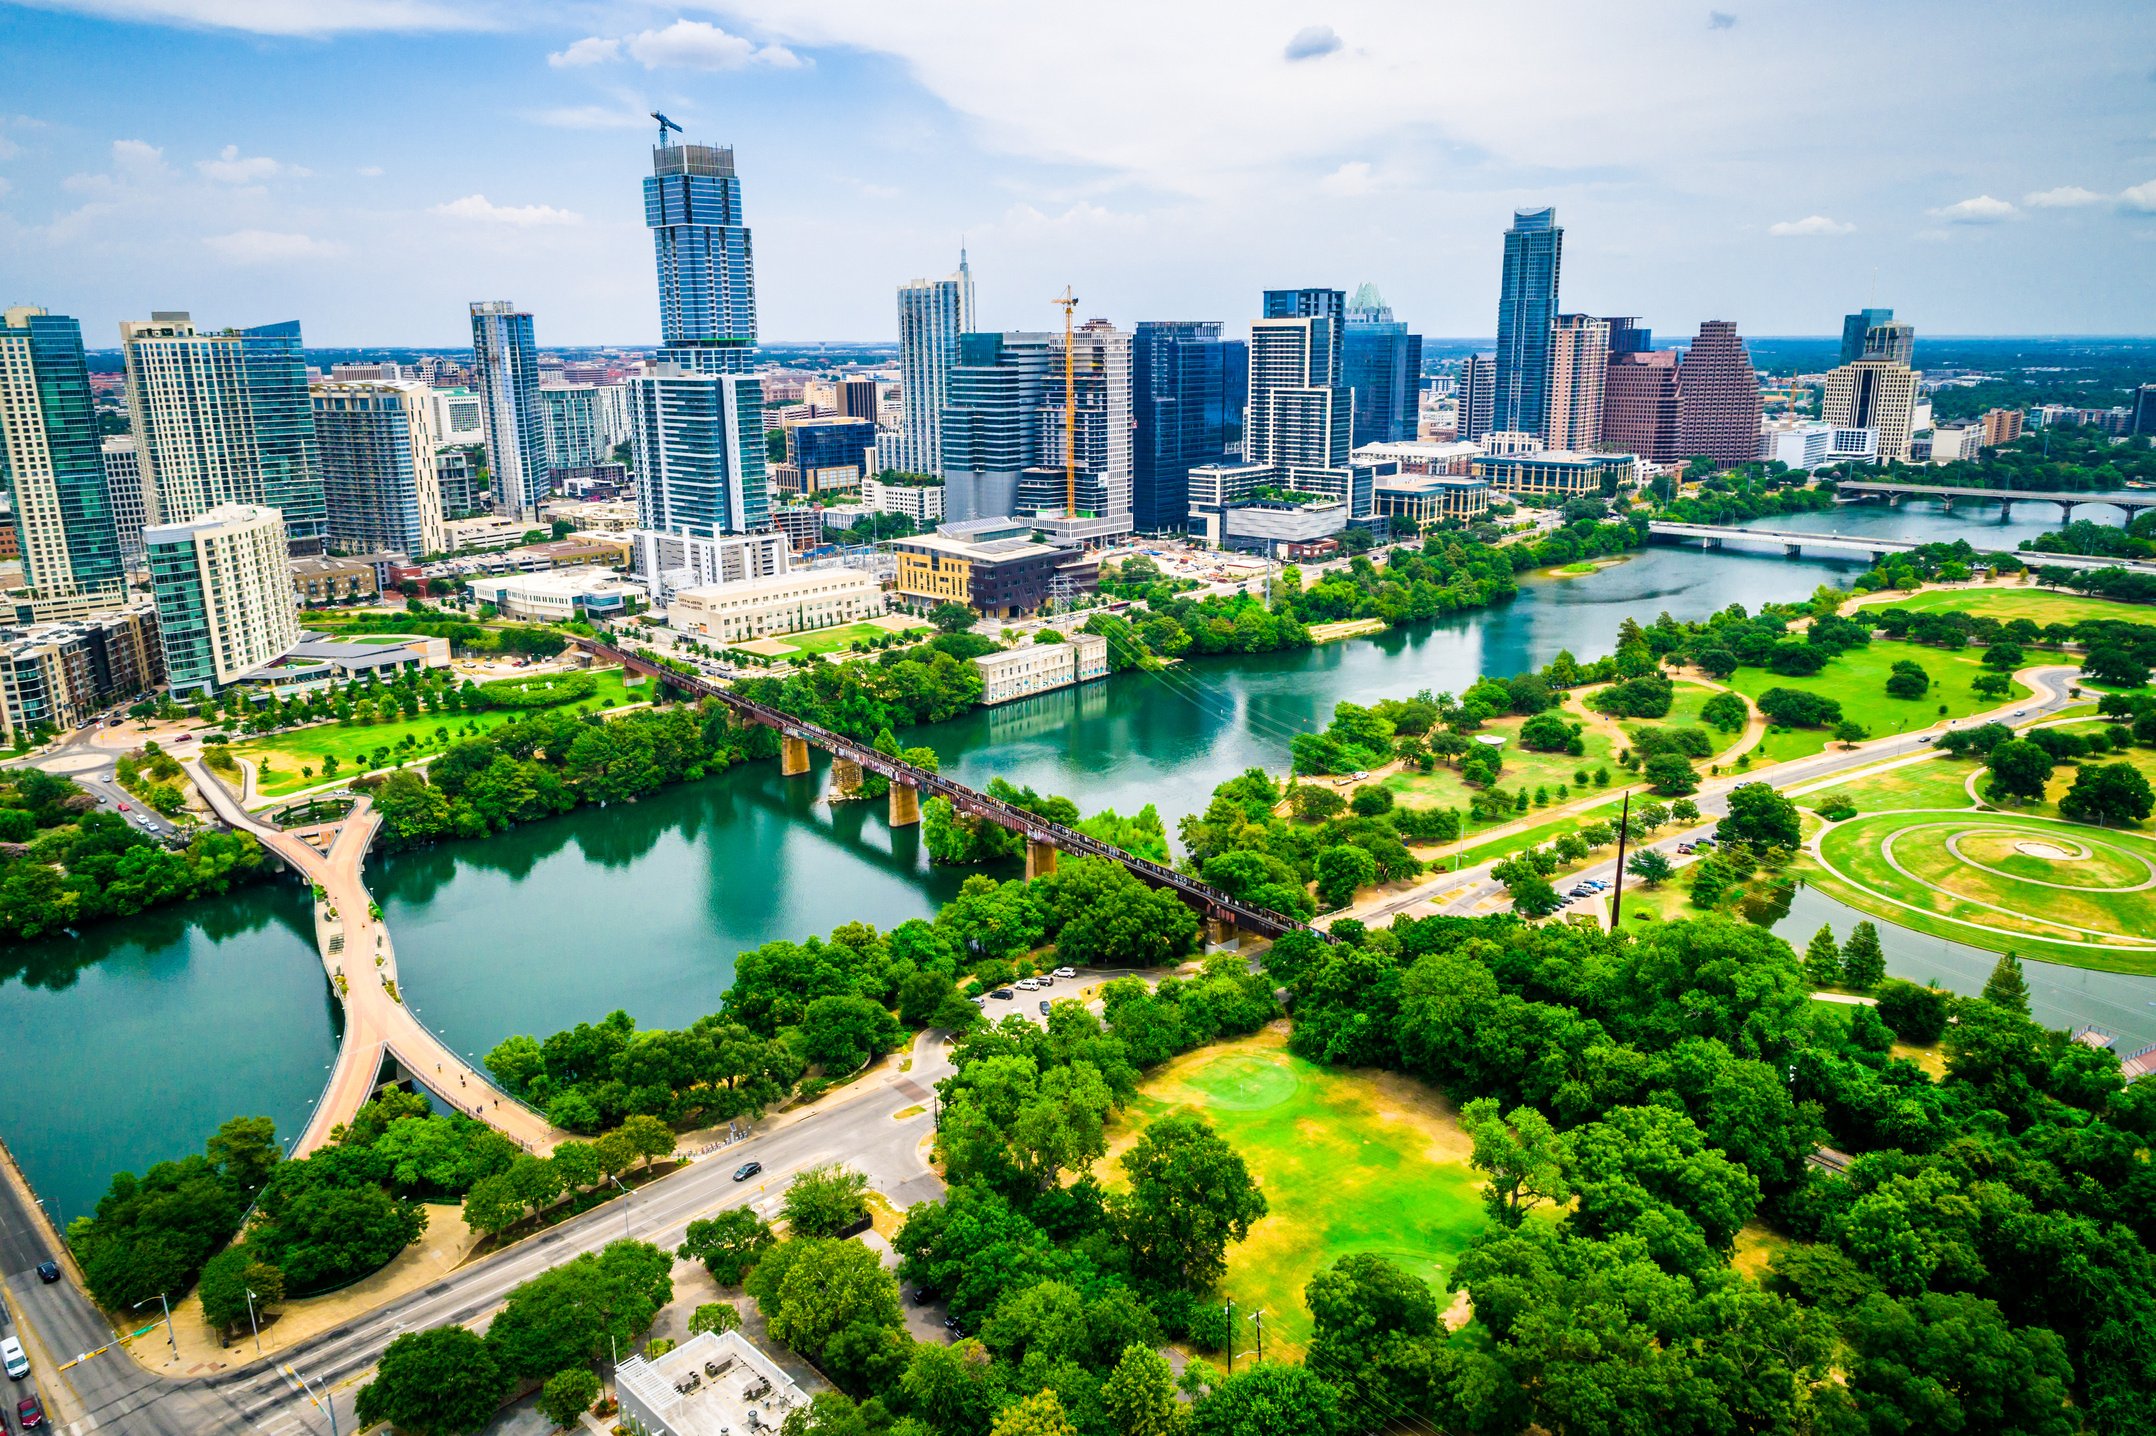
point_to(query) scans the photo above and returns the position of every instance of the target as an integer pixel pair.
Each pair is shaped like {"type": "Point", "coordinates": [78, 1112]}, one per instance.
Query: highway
{"type": "Point", "coordinates": [113, 1393]}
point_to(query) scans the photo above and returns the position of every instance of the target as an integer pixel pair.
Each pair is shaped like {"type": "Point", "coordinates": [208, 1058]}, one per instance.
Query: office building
{"type": "Point", "coordinates": [560, 595]}
{"type": "Point", "coordinates": [614, 410]}
{"type": "Point", "coordinates": [991, 425]}
{"type": "Point", "coordinates": [1639, 405]}
{"type": "Point", "coordinates": [1556, 471]}
{"type": "Point", "coordinates": [1381, 363]}
{"type": "Point", "coordinates": [1188, 386]}
{"type": "Point", "coordinates": [2003, 426]}
{"type": "Point", "coordinates": [1874, 394]}
{"type": "Point", "coordinates": [992, 567]}
{"type": "Point", "coordinates": [1475, 397]}
{"type": "Point", "coordinates": [1308, 304]}
{"type": "Point", "coordinates": [667, 563]}
{"type": "Point", "coordinates": [378, 449]}
{"type": "Point", "coordinates": [225, 601]}
{"type": "Point", "coordinates": [707, 272]}
{"type": "Point", "coordinates": [1951, 443]}
{"type": "Point", "coordinates": [458, 417]}
{"type": "Point", "coordinates": [1526, 305]}
{"type": "Point", "coordinates": [932, 313]}
{"type": "Point", "coordinates": [1039, 667]}
{"type": "Point", "coordinates": [1089, 501]}
{"type": "Point", "coordinates": [1628, 335]}
{"type": "Point", "coordinates": [699, 440]}
{"type": "Point", "coordinates": [713, 1384]}
{"type": "Point", "coordinates": [456, 479]}
{"type": "Point", "coordinates": [506, 360]}
{"type": "Point", "coordinates": [1892, 342]}
{"type": "Point", "coordinates": [1854, 329]}
{"type": "Point", "coordinates": [2141, 415]}
{"type": "Point", "coordinates": [59, 676]}
{"type": "Point", "coordinates": [1427, 500]}
{"type": "Point", "coordinates": [780, 603]}
{"type": "Point", "coordinates": [922, 503]}
{"type": "Point", "coordinates": [126, 486]}
{"type": "Point", "coordinates": [830, 454]}
{"type": "Point", "coordinates": [1717, 397]}
{"type": "Point", "coordinates": [325, 580]}
{"type": "Point", "coordinates": [223, 418]}
{"type": "Point", "coordinates": [575, 433]}
{"type": "Point", "coordinates": [1808, 444]}
{"type": "Point", "coordinates": [857, 398]}
{"type": "Point", "coordinates": [53, 463]}
{"type": "Point", "coordinates": [1579, 361]}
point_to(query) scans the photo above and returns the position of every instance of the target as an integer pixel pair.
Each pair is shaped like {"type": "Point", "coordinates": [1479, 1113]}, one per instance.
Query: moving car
{"type": "Point", "coordinates": [48, 1272]}
{"type": "Point", "coordinates": [29, 1413]}
{"type": "Point", "coordinates": [747, 1170]}
{"type": "Point", "coordinates": [11, 1356]}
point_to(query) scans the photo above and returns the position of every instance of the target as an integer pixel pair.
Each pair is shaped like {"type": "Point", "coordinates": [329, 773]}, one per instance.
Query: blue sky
{"type": "Point", "coordinates": [369, 166]}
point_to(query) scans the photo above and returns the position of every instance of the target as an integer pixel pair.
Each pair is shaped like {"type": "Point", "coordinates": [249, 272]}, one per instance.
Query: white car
{"type": "Point", "coordinates": [1066, 972]}
{"type": "Point", "coordinates": [1027, 984]}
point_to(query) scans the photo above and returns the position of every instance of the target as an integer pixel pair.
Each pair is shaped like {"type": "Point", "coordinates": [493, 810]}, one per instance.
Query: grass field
{"type": "Point", "coordinates": [1857, 680]}
{"type": "Point", "coordinates": [2038, 605]}
{"type": "Point", "coordinates": [1523, 770]}
{"type": "Point", "coordinates": [1684, 708]}
{"type": "Point", "coordinates": [839, 639]}
{"type": "Point", "coordinates": [279, 757]}
{"type": "Point", "coordinates": [1349, 1162]}
{"type": "Point", "coordinates": [1939, 782]}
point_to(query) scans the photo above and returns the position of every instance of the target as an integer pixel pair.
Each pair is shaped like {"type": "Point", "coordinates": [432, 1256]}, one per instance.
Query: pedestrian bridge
{"type": "Point", "coordinates": [2131, 500]}
{"type": "Point", "coordinates": [1795, 542]}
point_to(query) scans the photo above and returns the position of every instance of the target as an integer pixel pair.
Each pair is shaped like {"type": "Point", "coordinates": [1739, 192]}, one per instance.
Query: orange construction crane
{"type": "Point", "coordinates": [1069, 301]}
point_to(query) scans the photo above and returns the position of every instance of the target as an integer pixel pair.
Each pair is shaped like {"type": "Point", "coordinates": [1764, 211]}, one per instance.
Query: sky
{"type": "Point", "coordinates": [368, 167]}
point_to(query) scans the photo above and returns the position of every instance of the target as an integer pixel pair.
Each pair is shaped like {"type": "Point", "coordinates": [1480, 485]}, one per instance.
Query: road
{"type": "Point", "coordinates": [112, 1393]}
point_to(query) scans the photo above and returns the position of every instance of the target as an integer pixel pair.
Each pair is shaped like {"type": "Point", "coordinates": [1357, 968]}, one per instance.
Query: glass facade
{"type": "Point", "coordinates": [506, 358]}
{"type": "Point", "coordinates": [1526, 303]}
{"type": "Point", "coordinates": [52, 459]}
{"type": "Point", "coordinates": [1188, 386]}
{"type": "Point", "coordinates": [700, 453]}
{"type": "Point", "coordinates": [282, 416]}
{"type": "Point", "coordinates": [707, 272]}
{"type": "Point", "coordinates": [1382, 364]}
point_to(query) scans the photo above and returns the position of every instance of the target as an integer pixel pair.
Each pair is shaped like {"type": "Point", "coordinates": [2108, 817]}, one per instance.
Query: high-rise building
{"type": "Point", "coordinates": [575, 437]}
{"type": "Point", "coordinates": [830, 453]}
{"type": "Point", "coordinates": [378, 465]}
{"type": "Point", "coordinates": [1874, 394]}
{"type": "Point", "coordinates": [857, 399]}
{"type": "Point", "coordinates": [991, 424]}
{"type": "Point", "coordinates": [932, 313]}
{"type": "Point", "coordinates": [1475, 400]}
{"type": "Point", "coordinates": [456, 478]}
{"type": "Point", "coordinates": [57, 676]}
{"type": "Point", "coordinates": [1893, 342]}
{"type": "Point", "coordinates": [614, 409]}
{"type": "Point", "coordinates": [1090, 500]}
{"type": "Point", "coordinates": [505, 358]}
{"type": "Point", "coordinates": [2003, 426]}
{"type": "Point", "coordinates": [1718, 397]}
{"type": "Point", "coordinates": [1579, 362]}
{"type": "Point", "coordinates": [1855, 329]}
{"type": "Point", "coordinates": [52, 461]}
{"type": "Point", "coordinates": [707, 271]}
{"type": "Point", "coordinates": [1639, 405]}
{"type": "Point", "coordinates": [459, 417]}
{"type": "Point", "coordinates": [128, 487]}
{"type": "Point", "coordinates": [699, 440]}
{"type": "Point", "coordinates": [223, 418]}
{"type": "Point", "coordinates": [225, 600]}
{"type": "Point", "coordinates": [1382, 365]}
{"type": "Point", "coordinates": [1327, 304]}
{"type": "Point", "coordinates": [1628, 335]}
{"type": "Point", "coordinates": [1526, 303]}
{"type": "Point", "coordinates": [2142, 420]}
{"type": "Point", "coordinates": [1188, 386]}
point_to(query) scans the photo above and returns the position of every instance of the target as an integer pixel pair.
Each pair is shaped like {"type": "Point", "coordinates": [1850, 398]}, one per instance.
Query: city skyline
{"type": "Point", "coordinates": [885, 138]}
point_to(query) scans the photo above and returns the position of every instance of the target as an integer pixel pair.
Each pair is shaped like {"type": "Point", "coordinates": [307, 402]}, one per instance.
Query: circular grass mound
{"type": "Point", "coordinates": [2005, 874]}
{"type": "Point", "coordinates": [1242, 1083]}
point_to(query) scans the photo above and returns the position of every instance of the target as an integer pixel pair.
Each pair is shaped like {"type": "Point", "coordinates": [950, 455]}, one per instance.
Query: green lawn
{"type": "Point", "coordinates": [279, 757]}
{"type": "Point", "coordinates": [1938, 782]}
{"type": "Point", "coordinates": [1684, 708]}
{"type": "Point", "coordinates": [2038, 605]}
{"type": "Point", "coordinates": [839, 639]}
{"type": "Point", "coordinates": [1441, 787]}
{"type": "Point", "coordinates": [1348, 1161]}
{"type": "Point", "coordinates": [1857, 680]}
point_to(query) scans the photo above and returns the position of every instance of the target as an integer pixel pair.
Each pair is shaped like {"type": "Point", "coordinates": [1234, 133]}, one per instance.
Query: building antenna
{"type": "Point", "coordinates": [666, 124]}
{"type": "Point", "coordinates": [1069, 301]}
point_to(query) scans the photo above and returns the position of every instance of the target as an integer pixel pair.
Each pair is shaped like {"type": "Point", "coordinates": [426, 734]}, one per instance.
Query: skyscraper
{"type": "Point", "coordinates": [1298, 421]}
{"type": "Point", "coordinates": [1477, 397]}
{"type": "Point", "coordinates": [707, 272]}
{"type": "Point", "coordinates": [1639, 405]}
{"type": "Point", "coordinates": [505, 362]}
{"type": "Point", "coordinates": [1856, 326]}
{"type": "Point", "coordinates": [1893, 341]}
{"type": "Point", "coordinates": [224, 418]}
{"type": "Point", "coordinates": [1382, 364]}
{"type": "Point", "coordinates": [53, 463]}
{"type": "Point", "coordinates": [1100, 424]}
{"type": "Point", "coordinates": [575, 430]}
{"type": "Point", "coordinates": [225, 601]}
{"type": "Point", "coordinates": [932, 313]}
{"type": "Point", "coordinates": [1526, 303]}
{"type": "Point", "coordinates": [699, 440]}
{"type": "Point", "coordinates": [991, 423]}
{"type": "Point", "coordinates": [124, 481]}
{"type": "Point", "coordinates": [1875, 394]}
{"type": "Point", "coordinates": [1579, 361]}
{"type": "Point", "coordinates": [1187, 391]}
{"type": "Point", "coordinates": [378, 466]}
{"type": "Point", "coordinates": [1328, 304]}
{"type": "Point", "coordinates": [1718, 397]}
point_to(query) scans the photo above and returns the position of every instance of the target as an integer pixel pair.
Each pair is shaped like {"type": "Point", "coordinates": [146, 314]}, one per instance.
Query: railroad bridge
{"type": "Point", "coordinates": [1045, 840]}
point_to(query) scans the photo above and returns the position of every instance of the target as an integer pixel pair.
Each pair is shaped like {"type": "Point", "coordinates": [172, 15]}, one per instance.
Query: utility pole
{"type": "Point", "coordinates": [169, 1336]}
{"type": "Point", "coordinates": [624, 1205]}
{"type": "Point", "coordinates": [1624, 825]}
{"type": "Point", "coordinates": [1231, 1336]}
{"type": "Point", "coordinates": [1257, 1319]}
{"type": "Point", "coordinates": [326, 1402]}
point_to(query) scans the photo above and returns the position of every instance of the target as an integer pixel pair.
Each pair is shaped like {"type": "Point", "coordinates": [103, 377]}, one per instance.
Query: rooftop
{"type": "Point", "coordinates": [713, 1384]}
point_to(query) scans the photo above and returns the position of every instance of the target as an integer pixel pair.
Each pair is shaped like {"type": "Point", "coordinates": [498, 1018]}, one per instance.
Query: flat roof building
{"type": "Point", "coordinates": [225, 600]}
{"type": "Point", "coordinates": [1556, 471]}
{"type": "Point", "coordinates": [1427, 499]}
{"type": "Point", "coordinates": [1002, 577]}
{"type": "Point", "coordinates": [717, 1383]}
{"type": "Point", "coordinates": [779, 603]}
{"type": "Point", "coordinates": [1040, 667]}
{"type": "Point", "coordinates": [560, 594]}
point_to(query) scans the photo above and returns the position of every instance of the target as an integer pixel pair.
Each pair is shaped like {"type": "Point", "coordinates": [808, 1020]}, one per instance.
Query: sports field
{"type": "Point", "coordinates": [1857, 681]}
{"type": "Point", "coordinates": [2038, 605]}
{"type": "Point", "coordinates": [840, 639]}
{"type": "Point", "coordinates": [1349, 1162]}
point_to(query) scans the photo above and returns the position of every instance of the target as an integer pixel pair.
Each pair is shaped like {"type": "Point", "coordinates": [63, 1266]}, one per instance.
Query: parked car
{"type": "Point", "coordinates": [1686, 848]}
{"type": "Point", "coordinates": [1044, 1007]}
{"type": "Point", "coordinates": [747, 1170]}
{"type": "Point", "coordinates": [1027, 984]}
{"type": "Point", "coordinates": [1066, 972]}
{"type": "Point", "coordinates": [29, 1413]}
{"type": "Point", "coordinates": [48, 1272]}
{"type": "Point", "coordinates": [1004, 993]}
{"type": "Point", "coordinates": [1046, 979]}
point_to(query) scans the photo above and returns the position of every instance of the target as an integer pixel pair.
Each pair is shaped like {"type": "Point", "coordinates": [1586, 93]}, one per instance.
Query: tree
{"type": "Point", "coordinates": [1953, 1363]}
{"type": "Point", "coordinates": [1371, 801]}
{"type": "Point", "coordinates": [1342, 869]}
{"type": "Point", "coordinates": [1040, 1414]}
{"type": "Point", "coordinates": [826, 1201]}
{"type": "Point", "coordinates": [1189, 1196]}
{"type": "Point", "coordinates": [568, 1394]}
{"type": "Point", "coordinates": [1725, 710]}
{"type": "Point", "coordinates": [1523, 1154]}
{"type": "Point", "coordinates": [2005, 657]}
{"type": "Point", "coordinates": [435, 1383]}
{"type": "Point", "coordinates": [1823, 959]}
{"type": "Point", "coordinates": [1671, 774]}
{"type": "Point", "coordinates": [1907, 680]}
{"type": "Point", "coordinates": [1531, 893]}
{"type": "Point", "coordinates": [1650, 867]}
{"type": "Point", "coordinates": [2113, 664]}
{"type": "Point", "coordinates": [2006, 987]}
{"type": "Point", "coordinates": [568, 1315]}
{"type": "Point", "coordinates": [1916, 1014]}
{"type": "Point", "coordinates": [1849, 732]}
{"type": "Point", "coordinates": [1760, 817]}
{"type": "Point", "coordinates": [812, 1290]}
{"type": "Point", "coordinates": [2019, 769]}
{"type": "Point", "coordinates": [715, 1316]}
{"type": "Point", "coordinates": [1991, 685]}
{"type": "Point", "coordinates": [952, 617]}
{"type": "Point", "coordinates": [1863, 960]}
{"type": "Point", "coordinates": [1139, 1396]}
{"type": "Point", "coordinates": [728, 1244]}
{"type": "Point", "coordinates": [2108, 793]}
{"type": "Point", "coordinates": [1269, 1399]}
{"type": "Point", "coordinates": [227, 1278]}
{"type": "Point", "coordinates": [1314, 804]}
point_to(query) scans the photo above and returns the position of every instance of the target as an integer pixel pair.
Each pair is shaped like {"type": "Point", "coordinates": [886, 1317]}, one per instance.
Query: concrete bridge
{"type": "Point", "coordinates": [2131, 500]}
{"type": "Point", "coordinates": [383, 1041]}
{"type": "Point", "coordinates": [1045, 840]}
{"type": "Point", "coordinates": [1794, 542]}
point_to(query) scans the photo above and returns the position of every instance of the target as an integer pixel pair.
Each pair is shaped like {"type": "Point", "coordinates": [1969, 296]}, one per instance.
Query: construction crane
{"type": "Point", "coordinates": [666, 124]}
{"type": "Point", "coordinates": [1069, 301]}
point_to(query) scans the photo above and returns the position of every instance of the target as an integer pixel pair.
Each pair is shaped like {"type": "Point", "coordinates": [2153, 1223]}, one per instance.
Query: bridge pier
{"type": "Point", "coordinates": [1946, 501]}
{"type": "Point", "coordinates": [1219, 931]}
{"type": "Point", "coordinates": [1714, 544]}
{"type": "Point", "coordinates": [1793, 550]}
{"type": "Point", "coordinates": [2006, 508]}
{"type": "Point", "coordinates": [1040, 857]}
{"type": "Point", "coordinates": [793, 756]}
{"type": "Point", "coordinates": [905, 805]}
{"type": "Point", "coordinates": [1894, 501]}
{"type": "Point", "coordinates": [845, 777]}
{"type": "Point", "coordinates": [2066, 511]}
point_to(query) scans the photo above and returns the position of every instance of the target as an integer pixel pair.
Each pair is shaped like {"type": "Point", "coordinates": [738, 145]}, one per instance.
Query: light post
{"type": "Point", "coordinates": [624, 1204]}
{"type": "Point", "coordinates": [326, 1402]}
{"type": "Point", "coordinates": [252, 1324]}
{"type": "Point", "coordinates": [170, 1335]}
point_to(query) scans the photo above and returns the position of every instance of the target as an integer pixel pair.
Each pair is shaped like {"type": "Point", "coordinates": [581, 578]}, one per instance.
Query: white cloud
{"type": "Point", "coordinates": [1313, 41]}
{"type": "Point", "coordinates": [1983, 209]}
{"type": "Point", "coordinates": [1811, 224]}
{"type": "Point", "coordinates": [1353, 178]}
{"type": "Point", "coordinates": [231, 167]}
{"type": "Point", "coordinates": [1721, 20]}
{"type": "Point", "coordinates": [2141, 198]}
{"type": "Point", "coordinates": [270, 246]}
{"type": "Point", "coordinates": [478, 207]}
{"type": "Point", "coordinates": [371, 171]}
{"type": "Point", "coordinates": [591, 50]}
{"type": "Point", "coordinates": [285, 17]}
{"type": "Point", "coordinates": [137, 155]}
{"type": "Point", "coordinates": [2066, 196]}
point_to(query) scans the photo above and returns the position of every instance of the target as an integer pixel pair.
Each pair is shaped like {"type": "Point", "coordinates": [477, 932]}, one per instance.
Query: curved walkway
{"type": "Point", "coordinates": [362, 967]}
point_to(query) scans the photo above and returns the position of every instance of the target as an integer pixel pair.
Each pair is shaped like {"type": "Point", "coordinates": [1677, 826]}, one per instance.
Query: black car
{"type": "Point", "coordinates": [1005, 993]}
{"type": "Point", "coordinates": [747, 1170]}
{"type": "Point", "coordinates": [1044, 1008]}
{"type": "Point", "coordinates": [48, 1272]}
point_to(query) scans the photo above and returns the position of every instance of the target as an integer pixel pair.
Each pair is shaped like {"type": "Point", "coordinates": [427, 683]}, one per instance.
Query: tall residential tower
{"type": "Point", "coordinates": [707, 270]}
{"type": "Point", "coordinates": [52, 462]}
{"type": "Point", "coordinates": [1526, 306]}
{"type": "Point", "coordinates": [505, 359]}
{"type": "Point", "coordinates": [932, 313]}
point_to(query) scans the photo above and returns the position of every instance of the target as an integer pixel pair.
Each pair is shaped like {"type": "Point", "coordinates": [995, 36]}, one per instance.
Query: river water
{"type": "Point", "coordinates": [132, 1044]}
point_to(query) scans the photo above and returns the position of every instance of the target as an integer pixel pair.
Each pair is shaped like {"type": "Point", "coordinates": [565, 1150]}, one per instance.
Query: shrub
{"type": "Point", "coordinates": [546, 690]}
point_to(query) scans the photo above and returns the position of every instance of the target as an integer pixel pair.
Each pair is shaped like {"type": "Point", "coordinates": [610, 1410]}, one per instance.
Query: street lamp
{"type": "Point", "coordinates": [170, 1335]}
{"type": "Point", "coordinates": [252, 1324]}
{"type": "Point", "coordinates": [624, 1204]}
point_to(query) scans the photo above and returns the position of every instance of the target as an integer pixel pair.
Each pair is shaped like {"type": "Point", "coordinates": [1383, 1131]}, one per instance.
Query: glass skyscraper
{"type": "Point", "coordinates": [505, 358]}
{"type": "Point", "coordinates": [1856, 326]}
{"type": "Point", "coordinates": [1382, 364]}
{"type": "Point", "coordinates": [52, 460]}
{"type": "Point", "coordinates": [1526, 304]}
{"type": "Point", "coordinates": [707, 271]}
{"type": "Point", "coordinates": [932, 313]}
{"type": "Point", "coordinates": [700, 453]}
{"type": "Point", "coordinates": [1188, 386]}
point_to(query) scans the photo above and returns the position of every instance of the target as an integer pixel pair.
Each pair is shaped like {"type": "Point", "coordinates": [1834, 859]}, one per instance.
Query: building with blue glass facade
{"type": "Point", "coordinates": [1526, 305]}
{"type": "Point", "coordinates": [53, 461]}
{"type": "Point", "coordinates": [1382, 363]}
{"type": "Point", "coordinates": [505, 361]}
{"type": "Point", "coordinates": [707, 271]}
{"type": "Point", "coordinates": [1188, 386]}
{"type": "Point", "coordinates": [699, 441]}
